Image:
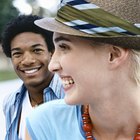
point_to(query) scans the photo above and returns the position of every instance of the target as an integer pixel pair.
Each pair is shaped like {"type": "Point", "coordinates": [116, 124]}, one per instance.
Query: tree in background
{"type": "Point", "coordinates": [7, 12]}
{"type": "Point", "coordinates": [38, 10]}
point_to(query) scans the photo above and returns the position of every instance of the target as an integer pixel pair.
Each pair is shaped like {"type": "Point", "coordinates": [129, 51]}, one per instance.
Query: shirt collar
{"type": "Point", "coordinates": [56, 86]}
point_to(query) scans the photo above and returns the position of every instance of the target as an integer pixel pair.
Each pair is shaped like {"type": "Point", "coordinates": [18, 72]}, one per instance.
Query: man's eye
{"type": "Point", "coordinates": [16, 54]}
{"type": "Point", "coordinates": [38, 50]}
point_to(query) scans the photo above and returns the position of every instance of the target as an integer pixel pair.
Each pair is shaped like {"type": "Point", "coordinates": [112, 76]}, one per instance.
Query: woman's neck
{"type": "Point", "coordinates": [116, 118]}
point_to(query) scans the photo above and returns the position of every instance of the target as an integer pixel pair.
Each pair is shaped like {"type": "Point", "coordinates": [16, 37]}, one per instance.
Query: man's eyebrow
{"type": "Point", "coordinates": [60, 38]}
{"type": "Point", "coordinates": [15, 49]}
{"type": "Point", "coordinates": [36, 45]}
{"type": "Point", "coordinates": [33, 46]}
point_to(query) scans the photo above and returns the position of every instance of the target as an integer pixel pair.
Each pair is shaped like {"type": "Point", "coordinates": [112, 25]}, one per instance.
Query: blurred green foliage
{"type": "Point", "coordinates": [7, 75]}
{"type": "Point", "coordinates": [7, 12]}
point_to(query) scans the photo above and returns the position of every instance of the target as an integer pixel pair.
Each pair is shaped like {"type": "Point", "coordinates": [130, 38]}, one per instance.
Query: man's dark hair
{"type": "Point", "coordinates": [24, 23]}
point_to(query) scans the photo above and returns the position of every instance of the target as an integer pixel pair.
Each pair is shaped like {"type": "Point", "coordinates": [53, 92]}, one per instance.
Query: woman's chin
{"type": "Point", "coordinates": [70, 101]}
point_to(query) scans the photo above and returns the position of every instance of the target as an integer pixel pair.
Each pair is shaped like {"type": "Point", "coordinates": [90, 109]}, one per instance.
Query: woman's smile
{"type": "Point", "coordinates": [67, 82]}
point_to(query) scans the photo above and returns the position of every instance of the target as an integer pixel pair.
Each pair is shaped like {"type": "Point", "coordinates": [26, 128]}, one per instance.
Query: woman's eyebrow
{"type": "Point", "coordinates": [60, 38]}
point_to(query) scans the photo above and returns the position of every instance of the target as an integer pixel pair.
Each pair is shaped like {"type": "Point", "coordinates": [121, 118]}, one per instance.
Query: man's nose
{"type": "Point", "coordinates": [28, 59]}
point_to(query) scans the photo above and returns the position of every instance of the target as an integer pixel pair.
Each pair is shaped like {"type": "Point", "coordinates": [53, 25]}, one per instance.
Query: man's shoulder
{"type": "Point", "coordinates": [10, 98]}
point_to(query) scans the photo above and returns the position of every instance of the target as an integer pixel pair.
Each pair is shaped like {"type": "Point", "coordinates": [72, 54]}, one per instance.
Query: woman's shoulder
{"type": "Point", "coordinates": [53, 117]}
{"type": "Point", "coordinates": [54, 105]}
{"type": "Point", "coordinates": [52, 111]}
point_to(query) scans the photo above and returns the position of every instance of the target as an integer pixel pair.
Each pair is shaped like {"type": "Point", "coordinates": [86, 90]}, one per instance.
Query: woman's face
{"type": "Point", "coordinates": [80, 64]}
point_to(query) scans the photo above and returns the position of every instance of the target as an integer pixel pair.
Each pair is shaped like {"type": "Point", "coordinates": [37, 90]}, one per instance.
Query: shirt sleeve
{"type": "Point", "coordinates": [5, 103]}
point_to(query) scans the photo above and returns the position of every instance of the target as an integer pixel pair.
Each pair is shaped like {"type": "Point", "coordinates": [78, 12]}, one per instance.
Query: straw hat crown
{"type": "Point", "coordinates": [121, 11]}
{"type": "Point", "coordinates": [126, 9]}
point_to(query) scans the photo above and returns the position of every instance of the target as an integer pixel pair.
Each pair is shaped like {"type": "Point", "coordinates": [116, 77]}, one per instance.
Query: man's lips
{"type": "Point", "coordinates": [30, 70]}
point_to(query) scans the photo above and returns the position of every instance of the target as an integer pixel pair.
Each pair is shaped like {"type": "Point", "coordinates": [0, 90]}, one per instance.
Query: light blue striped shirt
{"type": "Point", "coordinates": [12, 105]}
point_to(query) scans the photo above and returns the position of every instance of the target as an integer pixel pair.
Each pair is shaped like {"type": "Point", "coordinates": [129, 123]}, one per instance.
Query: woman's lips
{"type": "Point", "coordinates": [67, 82]}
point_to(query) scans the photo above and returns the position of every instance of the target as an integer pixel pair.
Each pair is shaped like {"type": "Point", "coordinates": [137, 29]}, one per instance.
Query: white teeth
{"type": "Point", "coordinates": [67, 82]}
{"type": "Point", "coordinates": [71, 81]}
{"type": "Point", "coordinates": [31, 71]}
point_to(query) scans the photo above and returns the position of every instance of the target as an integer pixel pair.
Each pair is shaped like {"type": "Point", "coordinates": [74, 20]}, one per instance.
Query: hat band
{"type": "Point", "coordinates": [91, 19]}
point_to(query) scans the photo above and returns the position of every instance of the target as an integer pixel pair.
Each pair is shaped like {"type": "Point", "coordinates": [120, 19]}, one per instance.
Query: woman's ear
{"type": "Point", "coordinates": [117, 56]}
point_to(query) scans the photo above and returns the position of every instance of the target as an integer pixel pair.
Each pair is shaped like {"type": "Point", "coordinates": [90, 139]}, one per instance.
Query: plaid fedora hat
{"type": "Point", "coordinates": [115, 22]}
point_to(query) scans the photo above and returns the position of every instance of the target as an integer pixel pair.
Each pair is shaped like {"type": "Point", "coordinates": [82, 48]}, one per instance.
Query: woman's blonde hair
{"type": "Point", "coordinates": [136, 65]}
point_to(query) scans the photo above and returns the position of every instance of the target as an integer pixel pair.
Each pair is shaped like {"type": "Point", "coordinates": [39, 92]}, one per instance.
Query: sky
{"type": "Point", "coordinates": [25, 8]}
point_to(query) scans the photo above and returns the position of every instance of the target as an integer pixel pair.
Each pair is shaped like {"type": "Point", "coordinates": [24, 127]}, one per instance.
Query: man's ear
{"type": "Point", "coordinates": [117, 56]}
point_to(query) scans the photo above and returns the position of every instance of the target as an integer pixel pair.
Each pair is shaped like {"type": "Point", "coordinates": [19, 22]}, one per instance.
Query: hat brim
{"type": "Point", "coordinates": [51, 24]}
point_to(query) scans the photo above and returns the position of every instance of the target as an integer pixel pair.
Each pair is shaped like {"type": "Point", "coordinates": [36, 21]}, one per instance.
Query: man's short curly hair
{"type": "Point", "coordinates": [20, 24]}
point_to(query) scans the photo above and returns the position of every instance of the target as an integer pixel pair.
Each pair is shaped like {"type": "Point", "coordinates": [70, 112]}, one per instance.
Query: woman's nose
{"type": "Point", "coordinates": [54, 65]}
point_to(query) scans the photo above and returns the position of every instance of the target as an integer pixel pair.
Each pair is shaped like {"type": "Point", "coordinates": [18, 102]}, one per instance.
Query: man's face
{"type": "Point", "coordinates": [30, 58]}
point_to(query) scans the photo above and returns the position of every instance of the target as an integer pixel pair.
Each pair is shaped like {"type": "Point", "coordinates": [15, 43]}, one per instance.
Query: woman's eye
{"type": "Point", "coordinates": [64, 47]}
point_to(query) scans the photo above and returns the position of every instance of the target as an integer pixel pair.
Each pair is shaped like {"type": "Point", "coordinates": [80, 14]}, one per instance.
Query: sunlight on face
{"type": "Point", "coordinates": [23, 7]}
{"type": "Point", "coordinates": [80, 64]}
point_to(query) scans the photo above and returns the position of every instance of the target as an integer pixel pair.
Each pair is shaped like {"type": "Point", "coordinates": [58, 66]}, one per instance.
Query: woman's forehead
{"type": "Point", "coordinates": [70, 38]}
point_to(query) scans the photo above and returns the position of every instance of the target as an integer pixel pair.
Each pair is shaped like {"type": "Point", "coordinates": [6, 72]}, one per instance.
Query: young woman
{"type": "Point", "coordinates": [97, 58]}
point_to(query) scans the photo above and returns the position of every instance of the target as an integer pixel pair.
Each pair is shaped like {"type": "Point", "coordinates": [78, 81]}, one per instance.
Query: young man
{"type": "Point", "coordinates": [30, 49]}
{"type": "Point", "coordinates": [97, 56]}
